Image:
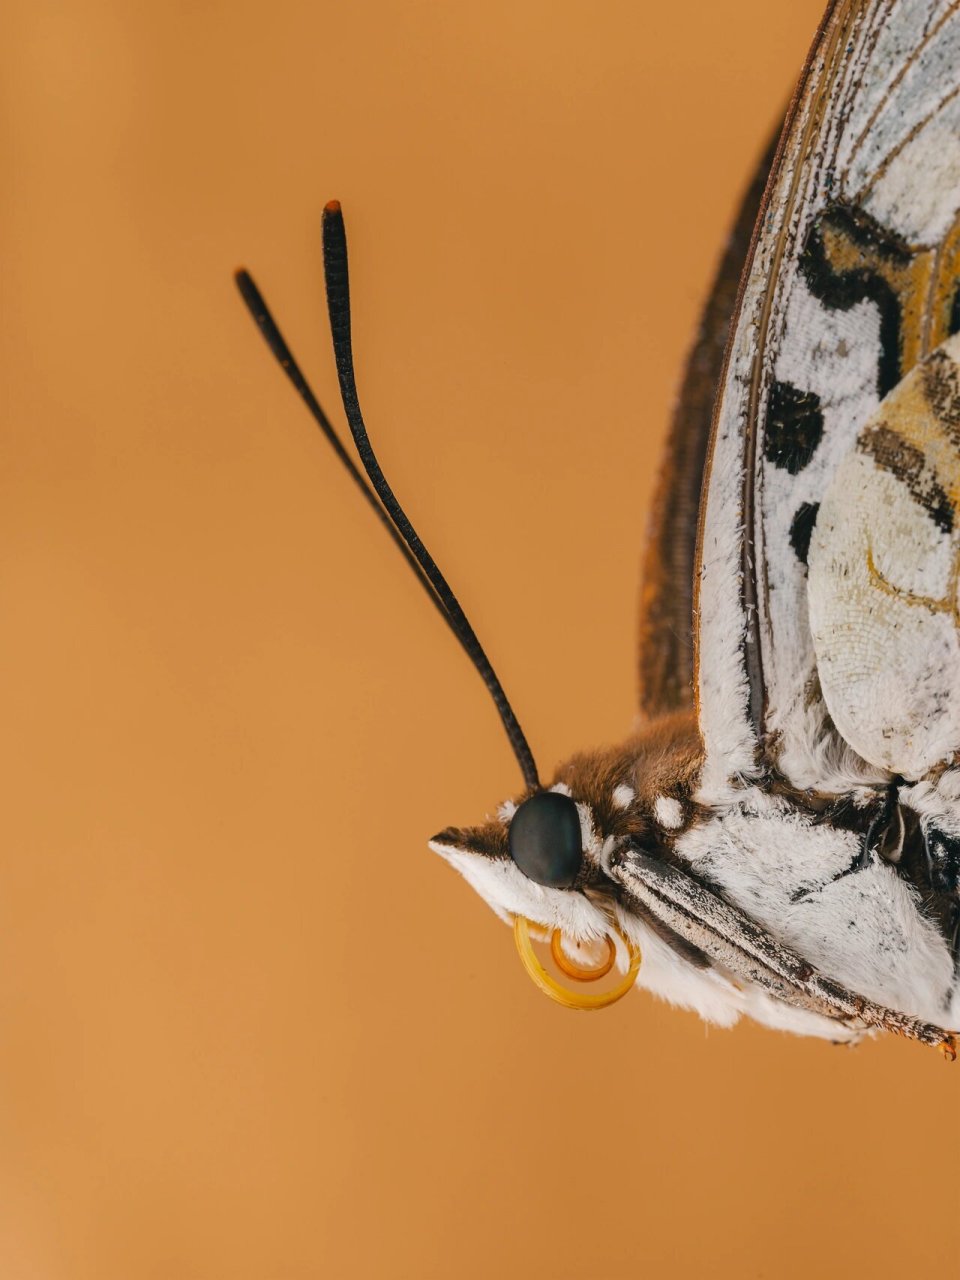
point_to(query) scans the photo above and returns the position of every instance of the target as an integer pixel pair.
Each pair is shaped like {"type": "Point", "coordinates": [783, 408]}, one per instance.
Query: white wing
{"type": "Point", "coordinates": [852, 282]}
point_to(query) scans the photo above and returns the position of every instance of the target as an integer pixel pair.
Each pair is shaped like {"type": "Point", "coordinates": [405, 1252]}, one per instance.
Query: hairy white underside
{"type": "Point", "coordinates": [504, 887]}
{"type": "Point", "coordinates": [865, 930]}
{"type": "Point", "coordinates": [663, 972]}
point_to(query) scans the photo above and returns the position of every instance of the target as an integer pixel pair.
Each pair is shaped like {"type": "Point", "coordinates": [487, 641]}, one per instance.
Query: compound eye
{"type": "Point", "coordinates": [545, 840]}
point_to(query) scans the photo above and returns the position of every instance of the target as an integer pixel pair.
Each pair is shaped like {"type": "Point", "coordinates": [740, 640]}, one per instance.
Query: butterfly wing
{"type": "Point", "coordinates": [666, 599]}
{"type": "Point", "coordinates": [852, 282]}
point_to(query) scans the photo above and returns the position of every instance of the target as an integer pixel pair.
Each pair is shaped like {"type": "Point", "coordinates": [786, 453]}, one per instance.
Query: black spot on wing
{"type": "Point", "coordinates": [801, 529]}
{"type": "Point", "coordinates": [903, 460]}
{"type": "Point", "coordinates": [794, 427]}
{"type": "Point", "coordinates": [861, 277]}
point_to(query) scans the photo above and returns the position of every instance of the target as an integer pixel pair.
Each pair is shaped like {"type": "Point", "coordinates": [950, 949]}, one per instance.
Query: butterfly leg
{"type": "Point", "coordinates": [883, 839]}
{"type": "Point", "coordinates": [737, 944]}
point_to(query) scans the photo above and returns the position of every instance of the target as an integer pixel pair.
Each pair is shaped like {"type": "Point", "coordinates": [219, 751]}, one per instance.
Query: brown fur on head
{"type": "Point", "coordinates": [661, 760]}
{"type": "Point", "coordinates": [639, 792]}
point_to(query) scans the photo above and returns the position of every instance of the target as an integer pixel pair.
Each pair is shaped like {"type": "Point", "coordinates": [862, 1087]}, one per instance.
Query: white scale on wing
{"type": "Point", "coordinates": [915, 131]}
{"type": "Point", "coordinates": [883, 588]}
{"type": "Point", "coordinates": [900, 32]}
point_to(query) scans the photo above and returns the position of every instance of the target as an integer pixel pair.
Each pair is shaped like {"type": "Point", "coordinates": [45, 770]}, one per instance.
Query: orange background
{"type": "Point", "coordinates": [249, 1026]}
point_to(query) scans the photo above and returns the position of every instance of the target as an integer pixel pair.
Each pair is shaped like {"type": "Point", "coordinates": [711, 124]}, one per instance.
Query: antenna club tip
{"type": "Point", "coordinates": [240, 273]}
{"type": "Point", "coordinates": [332, 207]}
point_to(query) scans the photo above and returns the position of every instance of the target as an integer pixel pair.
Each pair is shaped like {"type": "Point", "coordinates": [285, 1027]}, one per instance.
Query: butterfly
{"type": "Point", "coordinates": [780, 836]}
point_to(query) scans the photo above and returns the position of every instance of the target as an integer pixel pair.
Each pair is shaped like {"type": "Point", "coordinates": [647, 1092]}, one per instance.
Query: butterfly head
{"type": "Point", "coordinates": [545, 857]}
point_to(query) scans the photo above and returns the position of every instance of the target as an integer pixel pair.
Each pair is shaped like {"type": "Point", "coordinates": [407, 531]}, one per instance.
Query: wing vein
{"type": "Point", "coordinates": [898, 78]}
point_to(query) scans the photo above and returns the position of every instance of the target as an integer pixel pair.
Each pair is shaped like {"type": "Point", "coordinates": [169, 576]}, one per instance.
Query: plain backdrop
{"type": "Point", "coordinates": [250, 1028]}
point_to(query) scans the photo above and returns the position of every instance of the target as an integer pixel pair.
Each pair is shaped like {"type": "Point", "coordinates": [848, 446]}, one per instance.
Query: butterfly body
{"type": "Point", "coordinates": [825, 697]}
{"type": "Point", "coordinates": [780, 859]}
{"type": "Point", "coordinates": [780, 836]}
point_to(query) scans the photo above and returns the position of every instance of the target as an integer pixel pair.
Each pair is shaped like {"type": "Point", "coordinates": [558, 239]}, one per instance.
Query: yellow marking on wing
{"type": "Point", "coordinates": [942, 289]}
{"type": "Point", "coordinates": [925, 285]}
{"type": "Point", "coordinates": [909, 414]}
{"type": "Point", "coordinates": [913, 600]}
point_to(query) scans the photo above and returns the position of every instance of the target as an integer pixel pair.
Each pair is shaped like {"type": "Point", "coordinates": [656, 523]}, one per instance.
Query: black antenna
{"type": "Point", "coordinates": [275, 340]}
{"type": "Point", "coordinates": [390, 513]}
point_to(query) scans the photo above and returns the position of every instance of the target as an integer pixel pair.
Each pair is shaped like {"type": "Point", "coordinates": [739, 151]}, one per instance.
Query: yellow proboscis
{"type": "Point", "coordinates": [575, 999]}
{"type": "Point", "coordinates": [580, 972]}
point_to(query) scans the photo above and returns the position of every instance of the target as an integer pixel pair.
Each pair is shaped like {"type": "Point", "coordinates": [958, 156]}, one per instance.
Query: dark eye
{"type": "Point", "coordinates": [545, 840]}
